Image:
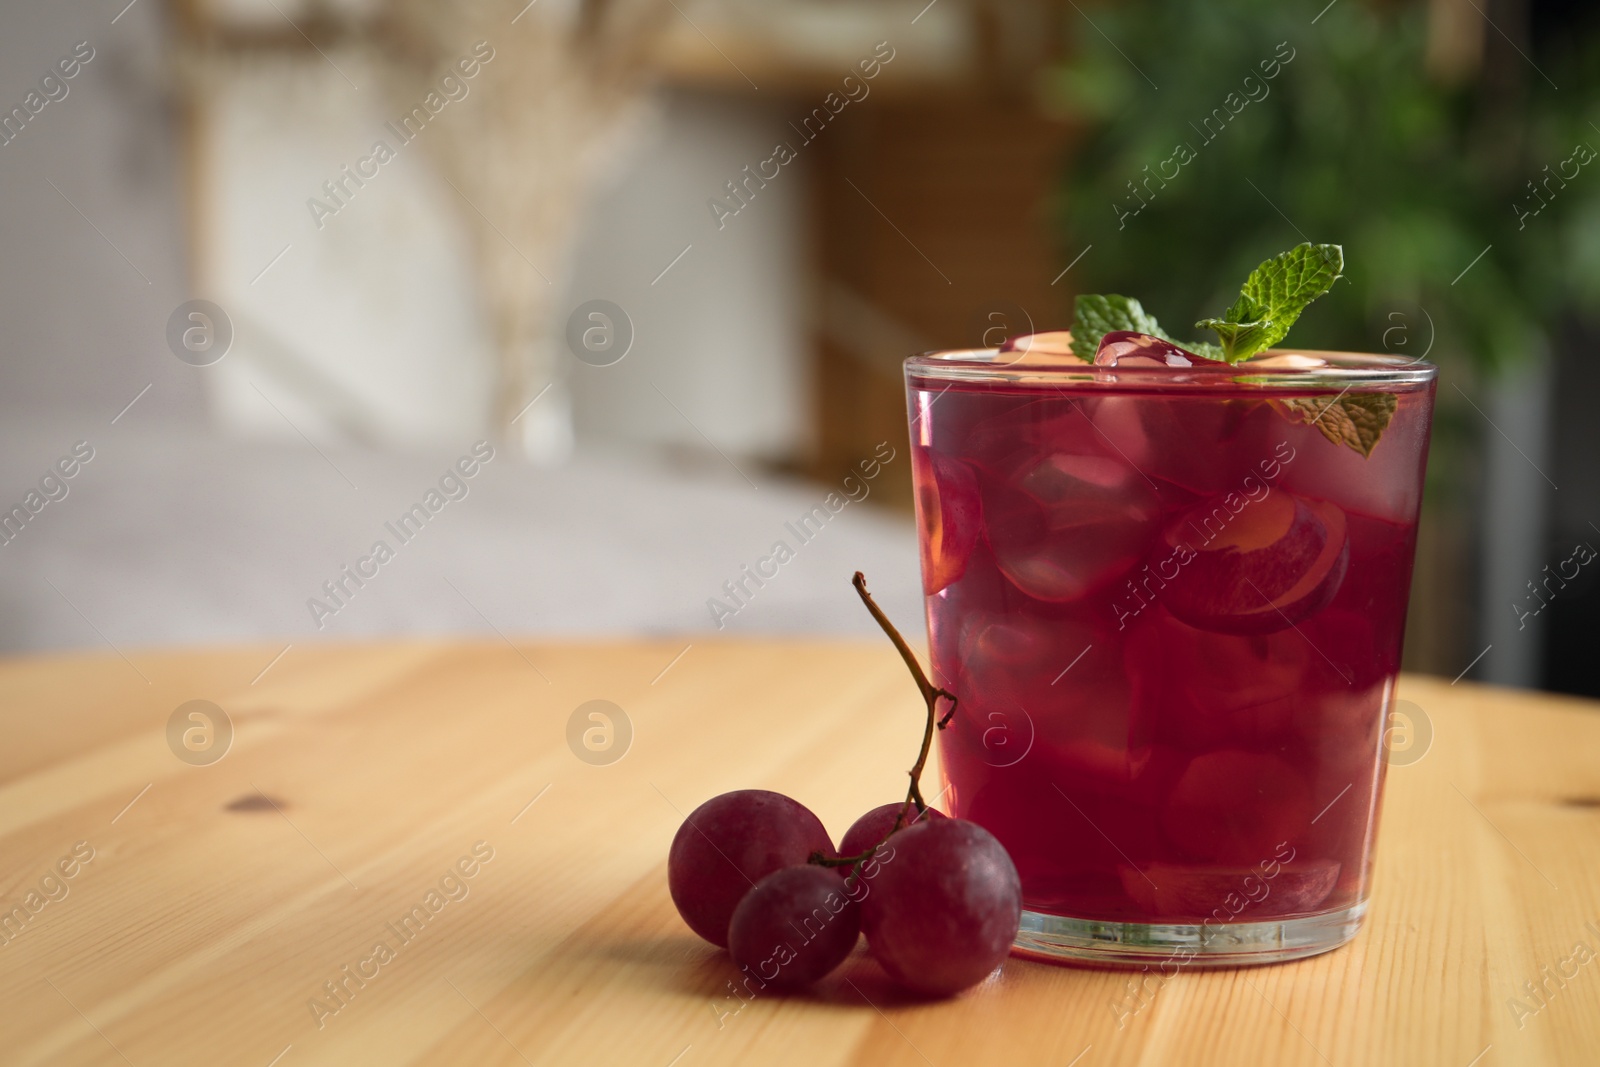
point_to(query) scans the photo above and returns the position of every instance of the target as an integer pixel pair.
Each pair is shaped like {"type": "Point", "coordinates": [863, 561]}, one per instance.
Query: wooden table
{"type": "Point", "coordinates": [219, 899]}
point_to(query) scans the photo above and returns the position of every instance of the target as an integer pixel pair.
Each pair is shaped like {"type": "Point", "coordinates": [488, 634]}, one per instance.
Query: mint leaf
{"type": "Point", "coordinates": [1247, 338]}
{"type": "Point", "coordinates": [1354, 419]}
{"type": "Point", "coordinates": [1094, 316]}
{"type": "Point", "coordinates": [1273, 297]}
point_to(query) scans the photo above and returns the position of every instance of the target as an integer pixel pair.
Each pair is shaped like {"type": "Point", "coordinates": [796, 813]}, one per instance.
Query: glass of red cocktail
{"type": "Point", "coordinates": [1171, 601]}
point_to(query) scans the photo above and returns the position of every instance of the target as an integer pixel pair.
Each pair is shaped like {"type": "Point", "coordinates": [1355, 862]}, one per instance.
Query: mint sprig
{"type": "Point", "coordinates": [1273, 297]}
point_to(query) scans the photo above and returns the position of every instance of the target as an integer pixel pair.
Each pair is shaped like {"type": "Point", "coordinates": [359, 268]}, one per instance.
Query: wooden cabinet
{"type": "Point", "coordinates": [933, 226]}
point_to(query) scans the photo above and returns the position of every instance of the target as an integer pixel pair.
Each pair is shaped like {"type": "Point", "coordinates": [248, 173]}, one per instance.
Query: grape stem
{"type": "Point", "coordinates": [930, 695]}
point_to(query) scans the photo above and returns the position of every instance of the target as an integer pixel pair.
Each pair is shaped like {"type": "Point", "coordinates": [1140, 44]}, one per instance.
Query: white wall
{"type": "Point", "coordinates": [368, 325]}
{"type": "Point", "coordinates": [84, 298]}
{"type": "Point", "coordinates": [369, 322]}
{"type": "Point", "coordinates": [722, 333]}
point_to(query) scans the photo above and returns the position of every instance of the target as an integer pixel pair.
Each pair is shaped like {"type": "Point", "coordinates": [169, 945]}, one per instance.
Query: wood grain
{"type": "Point", "coordinates": [210, 915]}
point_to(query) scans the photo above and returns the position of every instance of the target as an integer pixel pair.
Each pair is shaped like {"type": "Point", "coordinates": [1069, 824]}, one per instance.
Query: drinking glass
{"type": "Point", "coordinates": [1170, 602]}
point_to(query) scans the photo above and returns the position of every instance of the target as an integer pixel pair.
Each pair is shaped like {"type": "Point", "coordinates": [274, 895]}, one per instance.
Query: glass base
{"type": "Point", "coordinates": [1060, 939]}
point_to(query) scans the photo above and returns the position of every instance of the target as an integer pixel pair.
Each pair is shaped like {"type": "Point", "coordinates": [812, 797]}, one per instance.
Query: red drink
{"type": "Point", "coordinates": [1172, 611]}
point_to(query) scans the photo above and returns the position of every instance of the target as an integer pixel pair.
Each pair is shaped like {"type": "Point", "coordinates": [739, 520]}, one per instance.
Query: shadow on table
{"type": "Point", "coordinates": [686, 964]}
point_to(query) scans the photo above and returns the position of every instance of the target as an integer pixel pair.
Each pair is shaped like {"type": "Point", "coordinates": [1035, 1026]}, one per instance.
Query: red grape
{"type": "Point", "coordinates": [875, 825]}
{"type": "Point", "coordinates": [727, 845]}
{"type": "Point", "coordinates": [944, 908]}
{"type": "Point", "coordinates": [795, 926]}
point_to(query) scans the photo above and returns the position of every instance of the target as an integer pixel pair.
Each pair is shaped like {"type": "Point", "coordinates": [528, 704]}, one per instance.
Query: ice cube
{"type": "Point", "coordinates": [1061, 672]}
{"type": "Point", "coordinates": [1204, 691]}
{"type": "Point", "coordinates": [1126, 348]}
{"type": "Point", "coordinates": [1064, 525]}
{"type": "Point", "coordinates": [1120, 420]}
{"type": "Point", "coordinates": [1236, 807]}
{"type": "Point", "coordinates": [1384, 485]}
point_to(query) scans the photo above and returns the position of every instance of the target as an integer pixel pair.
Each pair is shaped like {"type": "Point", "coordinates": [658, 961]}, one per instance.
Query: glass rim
{"type": "Point", "coordinates": [1336, 369]}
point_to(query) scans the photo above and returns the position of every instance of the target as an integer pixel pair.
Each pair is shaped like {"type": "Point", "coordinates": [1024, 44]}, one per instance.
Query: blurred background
{"type": "Point", "coordinates": [273, 268]}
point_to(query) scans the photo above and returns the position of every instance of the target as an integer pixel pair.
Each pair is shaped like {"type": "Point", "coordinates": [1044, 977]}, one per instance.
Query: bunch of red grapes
{"type": "Point", "coordinates": [938, 898]}
{"type": "Point", "coordinates": [755, 872]}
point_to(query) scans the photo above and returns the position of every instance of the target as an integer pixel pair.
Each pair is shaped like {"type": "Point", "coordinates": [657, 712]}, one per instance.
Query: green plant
{"type": "Point", "coordinates": [1180, 188]}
